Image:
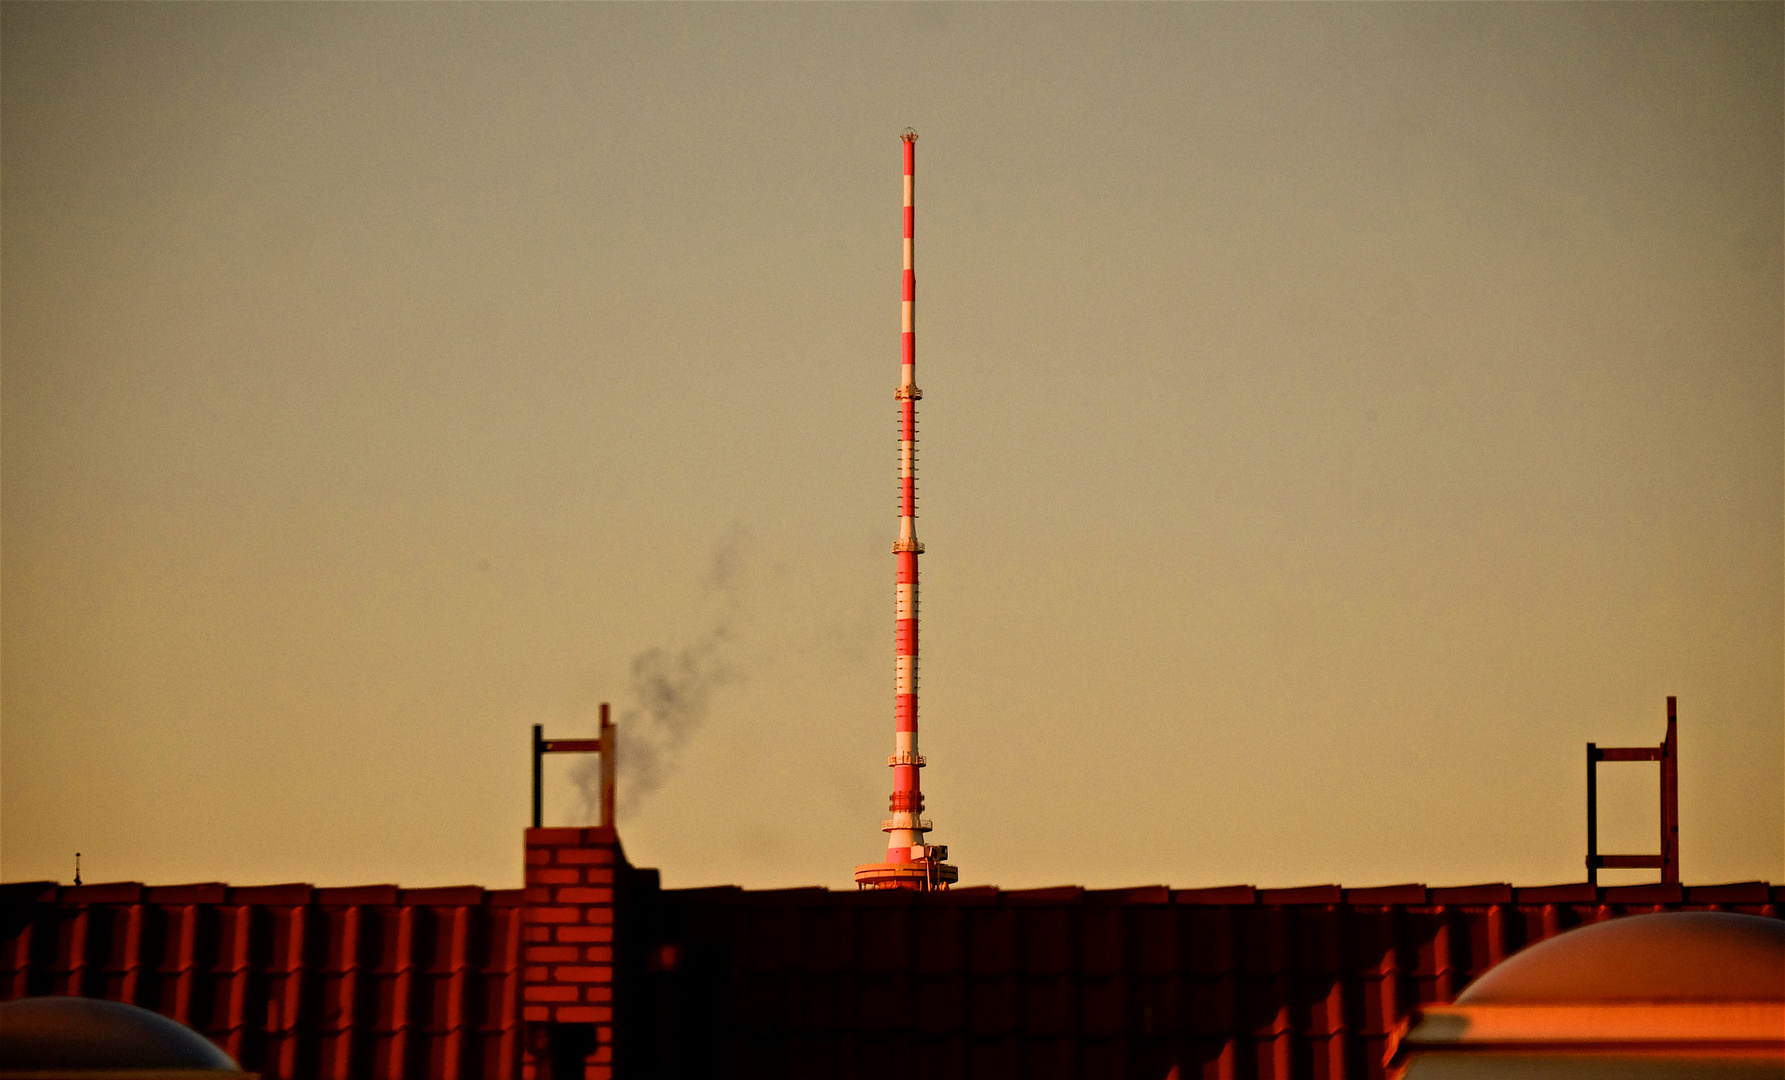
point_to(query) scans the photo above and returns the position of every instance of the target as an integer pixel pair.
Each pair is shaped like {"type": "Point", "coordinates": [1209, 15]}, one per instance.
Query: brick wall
{"type": "Point", "coordinates": [567, 952]}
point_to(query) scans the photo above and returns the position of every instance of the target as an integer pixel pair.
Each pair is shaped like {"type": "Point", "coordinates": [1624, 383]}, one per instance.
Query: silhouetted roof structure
{"type": "Point", "coordinates": [377, 981]}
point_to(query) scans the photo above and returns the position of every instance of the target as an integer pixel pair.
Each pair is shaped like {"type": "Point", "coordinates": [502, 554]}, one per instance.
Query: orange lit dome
{"type": "Point", "coordinates": [1668, 956]}
{"type": "Point", "coordinates": [77, 1037]}
{"type": "Point", "coordinates": [1668, 996]}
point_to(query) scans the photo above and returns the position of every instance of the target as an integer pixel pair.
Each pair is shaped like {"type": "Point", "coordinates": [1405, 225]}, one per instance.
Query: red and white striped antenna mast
{"type": "Point", "coordinates": [910, 862]}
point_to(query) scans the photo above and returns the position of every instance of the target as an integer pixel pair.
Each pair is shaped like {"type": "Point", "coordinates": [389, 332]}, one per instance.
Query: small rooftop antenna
{"type": "Point", "coordinates": [77, 868]}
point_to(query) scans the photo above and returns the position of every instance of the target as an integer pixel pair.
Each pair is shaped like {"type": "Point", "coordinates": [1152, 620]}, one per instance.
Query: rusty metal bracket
{"type": "Point", "coordinates": [606, 746]}
{"type": "Point", "coordinates": [1668, 755]}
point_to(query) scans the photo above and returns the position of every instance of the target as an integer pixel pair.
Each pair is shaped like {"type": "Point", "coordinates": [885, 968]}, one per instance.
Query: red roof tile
{"type": "Point", "coordinates": [1387, 894]}
{"type": "Point", "coordinates": [357, 895]}
{"type": "Point", "coordinates": [209, 892]}
{"type": "Point", "coordinates": [1308, 894]}
{"type": "Point", "coordinates": [1578, 893]}
{"type": "Point", "coordinates": [273, 895]}
{"type": "Point", "coordinates": [1147, 894]}
{"type": "Point", "coordinates": [1741, 892]}
{"type": "Point", "coordinates": [444, 895]}
{"type": "Point", "coordinates": [1473, 894]}
{"type": "Point", "coordinates": [1658, 893]}
{"type": "Point", "coordinates": [112, 892]}
{"type": "Point", "coordinates": [1225, 894]}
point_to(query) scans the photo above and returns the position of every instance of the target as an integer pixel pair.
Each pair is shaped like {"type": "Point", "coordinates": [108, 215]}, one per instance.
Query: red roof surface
{"type": "Point", "coordinates": [291, 980]}
{"type": "Point", "coordinates": [377, 981]}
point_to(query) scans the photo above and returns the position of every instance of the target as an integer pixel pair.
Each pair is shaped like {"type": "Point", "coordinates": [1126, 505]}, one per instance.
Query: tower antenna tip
{"type": "Point", "coordinates": [909, 134]}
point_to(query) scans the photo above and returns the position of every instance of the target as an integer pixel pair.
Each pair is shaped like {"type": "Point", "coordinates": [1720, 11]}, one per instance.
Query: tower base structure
{"type": "Point", "coordinates": [918, 875]}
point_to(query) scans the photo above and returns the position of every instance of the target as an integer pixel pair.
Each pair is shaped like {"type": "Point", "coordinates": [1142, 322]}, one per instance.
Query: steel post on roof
{"type": "Point", "coordinates": [1592, 813]}
{"type": "Point", "coordinates": [1670, 797]}
{"type": "Point", "coordinates": [538, 774]}
{"type": "Point", "coordinates": [608, 740]}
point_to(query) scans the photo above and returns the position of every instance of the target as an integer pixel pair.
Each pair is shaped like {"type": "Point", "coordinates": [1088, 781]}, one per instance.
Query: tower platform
{"type": "Point", "coordinates": [922, 875]}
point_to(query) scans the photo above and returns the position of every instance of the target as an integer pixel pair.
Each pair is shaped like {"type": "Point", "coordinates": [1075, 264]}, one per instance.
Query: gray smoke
{"type": "Point", "coordinates": [671, 687]}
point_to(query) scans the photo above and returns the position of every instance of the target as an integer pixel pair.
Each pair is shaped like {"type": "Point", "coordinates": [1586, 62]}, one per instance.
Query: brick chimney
{"type": "Point", "coordinates": [567, 942]}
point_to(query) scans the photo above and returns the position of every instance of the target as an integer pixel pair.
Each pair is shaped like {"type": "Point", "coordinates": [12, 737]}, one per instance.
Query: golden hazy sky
{"type": "Point", "coordinates": [1334, 417]}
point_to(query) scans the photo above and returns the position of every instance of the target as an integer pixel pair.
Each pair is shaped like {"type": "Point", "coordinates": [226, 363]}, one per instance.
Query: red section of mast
{"type": "Point", "coordinates": [910, 863]}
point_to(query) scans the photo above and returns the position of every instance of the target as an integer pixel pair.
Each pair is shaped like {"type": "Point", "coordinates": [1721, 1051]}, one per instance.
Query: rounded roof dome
{"type": "Point", "coordinates": [1667, 956]}
{"type": "Point", "coordinates": [75, 1033]}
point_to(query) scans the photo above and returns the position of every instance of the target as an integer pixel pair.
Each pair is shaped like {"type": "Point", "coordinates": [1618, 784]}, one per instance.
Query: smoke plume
{"type": "Point", "coordinates": [671, 687]}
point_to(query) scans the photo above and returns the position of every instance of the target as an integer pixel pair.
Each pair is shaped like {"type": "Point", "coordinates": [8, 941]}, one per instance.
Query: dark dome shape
{"type": "Point", "coordinates": [94, 1037]}
{"type": "Point", "coordinates": [1701, 956]}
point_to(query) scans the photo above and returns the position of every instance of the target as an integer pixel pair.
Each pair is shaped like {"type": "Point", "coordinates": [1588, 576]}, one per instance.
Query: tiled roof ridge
{"type": "Point", "coordinates": [290, 894]}
{"type": "Point", "coordinates": [1410, 894]}
{"type": "Point", "coordinates": [1407, 895]}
